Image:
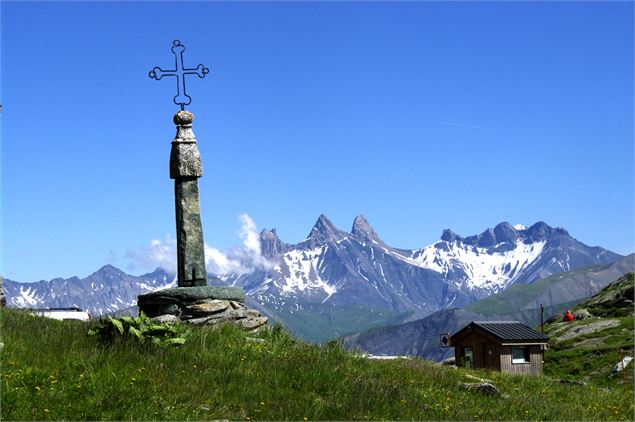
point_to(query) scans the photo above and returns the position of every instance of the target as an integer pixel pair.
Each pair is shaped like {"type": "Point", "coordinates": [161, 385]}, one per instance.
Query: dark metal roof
{"type": "Point", "coordinates": [510, 331]}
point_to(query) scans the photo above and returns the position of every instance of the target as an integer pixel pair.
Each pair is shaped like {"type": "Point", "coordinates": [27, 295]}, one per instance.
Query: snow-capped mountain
{"type": "Point", "coordinates": [335, 282]}
{"type": "Point", "coordinates": [339, 268]}
{"type": "Point", "coordinates": [106, 290]}
{"type": "Point", "coordinates": [493, 260]}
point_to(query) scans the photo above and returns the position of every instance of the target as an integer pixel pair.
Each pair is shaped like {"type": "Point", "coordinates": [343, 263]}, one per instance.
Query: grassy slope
{"type": "Point", "coordinates": [51, 371]}
{"type": "Point", "coordinates": [592, 356]}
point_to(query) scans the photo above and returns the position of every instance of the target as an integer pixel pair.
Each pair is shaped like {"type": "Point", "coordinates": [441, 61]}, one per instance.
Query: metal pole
{"type": "Point", "coordinates": [542, 315]}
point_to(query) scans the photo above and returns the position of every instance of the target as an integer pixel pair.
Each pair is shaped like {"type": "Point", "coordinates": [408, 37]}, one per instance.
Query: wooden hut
{"type": "Point", "coordinates": [506, 346]}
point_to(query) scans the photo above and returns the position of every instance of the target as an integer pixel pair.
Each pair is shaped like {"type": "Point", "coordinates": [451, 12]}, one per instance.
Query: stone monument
{"type": "Point", "coordinates": [185, 169]}
{"type": "Point", "coordinates": [193, 300]}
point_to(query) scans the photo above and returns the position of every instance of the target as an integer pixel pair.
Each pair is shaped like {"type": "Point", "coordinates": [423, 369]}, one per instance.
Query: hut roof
{"type": "Point", "coordinates": [509, 331]}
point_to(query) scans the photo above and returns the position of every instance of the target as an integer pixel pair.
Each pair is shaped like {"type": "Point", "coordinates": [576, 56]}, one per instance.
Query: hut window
{"type": "Point", "coordinates": [468, 357]}
{"type": "Point", "coordinates": [520, 354]}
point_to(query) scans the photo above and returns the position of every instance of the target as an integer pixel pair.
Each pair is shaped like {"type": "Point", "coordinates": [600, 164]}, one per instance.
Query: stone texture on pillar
{"type": "Point", "coordinates": [185, 169]}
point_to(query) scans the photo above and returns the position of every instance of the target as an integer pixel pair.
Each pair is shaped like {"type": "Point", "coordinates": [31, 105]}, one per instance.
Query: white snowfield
{"type": "Point", "coordinates": [27, 298]}
{"type": "Point", "coordinates": [485, 270]}
{"type": "Point", "coordinates": [304, 271]}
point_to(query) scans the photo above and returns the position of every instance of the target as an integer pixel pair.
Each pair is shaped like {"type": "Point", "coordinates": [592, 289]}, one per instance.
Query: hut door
{"type": "Point", "coordinates": [490, 356]}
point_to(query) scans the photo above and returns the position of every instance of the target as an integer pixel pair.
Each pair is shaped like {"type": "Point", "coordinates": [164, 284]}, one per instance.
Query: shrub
{"type": "Point", "coordinates": [140, 328]}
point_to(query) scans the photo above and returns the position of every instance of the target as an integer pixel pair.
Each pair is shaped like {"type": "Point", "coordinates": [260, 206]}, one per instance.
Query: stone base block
{"type": "Point", "coordinates": [208, 305]}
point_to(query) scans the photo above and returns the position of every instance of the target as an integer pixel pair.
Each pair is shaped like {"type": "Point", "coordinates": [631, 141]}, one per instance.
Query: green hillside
{"type": "Point", "coordinates": [51, 370]}
{"type": "Point", "coordinates": [588, 349]}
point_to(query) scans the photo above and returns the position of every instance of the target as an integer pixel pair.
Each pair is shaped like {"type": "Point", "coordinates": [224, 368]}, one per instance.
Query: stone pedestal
{"type": "Point", "coordinates": [208, 305]}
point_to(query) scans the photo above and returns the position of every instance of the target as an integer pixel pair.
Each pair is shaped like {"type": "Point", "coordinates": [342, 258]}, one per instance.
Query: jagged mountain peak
{"type": "Point", "coordinates": [324, 231]}
{"type": "Point", "coordinates": [539, 231]}
{"type": "Point", "coordinates": [108, 270]}
{"type": "Point", "coordinates": [271, 244]}
{"type": "Point", "coordinates": [449, 236]}
{"type": "Point", "coordinates": [158, 273]}
{"type": "Point", "coordinates": [362, 230]}
{"type": "Point", "coordinates": [505, 233]}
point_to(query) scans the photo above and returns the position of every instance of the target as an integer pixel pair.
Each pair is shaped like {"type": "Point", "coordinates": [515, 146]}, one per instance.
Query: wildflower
{"type": "Point", "coordinates": [262, 403]}
{"type": "Point", "coordinates": [305, 418]}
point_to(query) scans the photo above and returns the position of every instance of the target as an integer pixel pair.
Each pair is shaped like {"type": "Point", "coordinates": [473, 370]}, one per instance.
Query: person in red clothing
{"type": "Point", "coordinates": [568, 316]}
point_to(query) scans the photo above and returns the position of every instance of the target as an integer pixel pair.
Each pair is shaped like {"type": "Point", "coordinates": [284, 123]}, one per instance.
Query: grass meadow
{"type": "Point", "coordinates": [51, 370]}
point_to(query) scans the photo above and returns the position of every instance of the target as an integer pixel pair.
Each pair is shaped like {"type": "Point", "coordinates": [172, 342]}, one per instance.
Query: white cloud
{"type": "Point", "coordinates": [242, 259]}
{"type": "Point", "coordinates": [157, 254]}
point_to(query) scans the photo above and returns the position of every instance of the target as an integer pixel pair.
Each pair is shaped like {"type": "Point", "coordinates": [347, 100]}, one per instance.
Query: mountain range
{"type": "Point", "coordinates": [520, 302]}
{"type": "Point", "coordinates": [336, 282]}
{"type": "Point", "coordinates": [332, 270]}
{"type": "Point", "coordinates": [105, 291]}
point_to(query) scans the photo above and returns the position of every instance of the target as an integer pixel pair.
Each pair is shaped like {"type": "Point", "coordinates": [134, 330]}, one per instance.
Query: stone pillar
{"type": "Point", "coordinates": [185, 169]}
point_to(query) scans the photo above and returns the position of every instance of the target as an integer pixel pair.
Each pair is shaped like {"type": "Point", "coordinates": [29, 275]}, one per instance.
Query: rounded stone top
{"type": "Point", "coordinates": [183, 117]}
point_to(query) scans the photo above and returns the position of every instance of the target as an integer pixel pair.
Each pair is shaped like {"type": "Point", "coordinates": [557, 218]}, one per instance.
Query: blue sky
{"type": "Point", "coordinates": [419, 115]}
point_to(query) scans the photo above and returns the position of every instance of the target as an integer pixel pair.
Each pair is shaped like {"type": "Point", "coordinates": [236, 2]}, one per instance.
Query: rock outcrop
{"type": "Point", "coordinates": [199, 305]}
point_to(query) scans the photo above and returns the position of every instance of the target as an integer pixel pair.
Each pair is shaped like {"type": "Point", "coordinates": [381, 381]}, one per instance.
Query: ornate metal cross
{"type": "Point", "coordinates": [157, 73]}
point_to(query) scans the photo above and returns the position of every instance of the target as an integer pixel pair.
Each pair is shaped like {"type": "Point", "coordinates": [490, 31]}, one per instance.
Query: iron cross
{"type": "Point", "coordinates": [157, 73]}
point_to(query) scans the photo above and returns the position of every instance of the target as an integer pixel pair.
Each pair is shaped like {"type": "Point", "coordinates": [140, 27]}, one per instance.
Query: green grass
{"type": "Point", "coordinates": [578, 358]}
{"type": "Point", "coordinates": [591, 356]}
{"type": "Point", "coordinates": [51, 370]}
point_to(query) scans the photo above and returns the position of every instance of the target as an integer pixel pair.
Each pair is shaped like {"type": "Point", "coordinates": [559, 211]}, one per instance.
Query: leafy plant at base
{"type": "Point", "coordinates": [141, 328]}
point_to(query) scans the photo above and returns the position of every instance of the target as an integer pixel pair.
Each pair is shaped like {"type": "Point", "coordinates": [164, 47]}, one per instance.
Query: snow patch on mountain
{"type": "Point", "coordinates": [483, 268]}
{"type": "Point", "coordinates": [27, 297]}
{"type": "Point", "coordinates": [300, 270]}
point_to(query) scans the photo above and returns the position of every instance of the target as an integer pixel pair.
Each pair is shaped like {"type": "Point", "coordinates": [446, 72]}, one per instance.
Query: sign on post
{"type": "Point", "coordinates": [445, 340]}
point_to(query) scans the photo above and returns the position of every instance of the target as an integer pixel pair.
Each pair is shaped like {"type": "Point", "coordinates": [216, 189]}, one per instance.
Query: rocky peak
{"type": "Point", "coordinates": [486, 239]}
{"type": "Point", "coordinates": [363, 231]}
{"type": "Point", "coordinates": [109, 271]}
{"type": "Point", "coordinates": [539, 231]}
{"type": "Point", "coordinates": [159, 274]}
{"type": "Point", "coordinates": [271, 244]}
{"type": "Point", "coordinates": [324, 229]}
{"type": "Point", "coordinates": [505, 232]}
{"type": "Point", "coordinates": [449, 236]}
